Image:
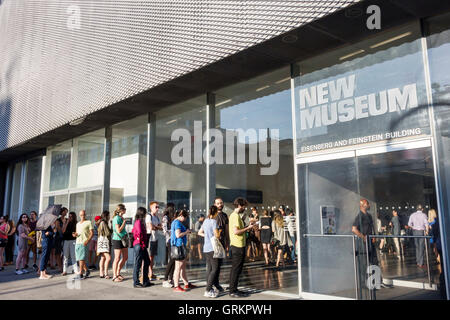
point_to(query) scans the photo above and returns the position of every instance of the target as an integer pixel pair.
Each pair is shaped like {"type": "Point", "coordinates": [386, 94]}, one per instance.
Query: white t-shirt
{"type": "Point", "coordinates": [154, 219]}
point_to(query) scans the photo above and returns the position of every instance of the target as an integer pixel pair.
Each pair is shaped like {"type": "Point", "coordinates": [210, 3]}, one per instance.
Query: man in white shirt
{"type": "Point", "coordinates": [152, 223]}
{"type": "Point", "coordinates": [418, 221]}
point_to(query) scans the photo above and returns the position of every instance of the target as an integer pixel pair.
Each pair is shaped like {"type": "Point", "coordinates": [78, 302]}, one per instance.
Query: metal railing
{"type": "Point", "coordinates": [354, 253]}
{"type": "Point", "coordinates": [368, 238]}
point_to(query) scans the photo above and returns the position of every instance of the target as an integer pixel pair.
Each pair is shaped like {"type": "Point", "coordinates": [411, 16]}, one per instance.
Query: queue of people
{"type": "Point", "coordinates": [73, 244]}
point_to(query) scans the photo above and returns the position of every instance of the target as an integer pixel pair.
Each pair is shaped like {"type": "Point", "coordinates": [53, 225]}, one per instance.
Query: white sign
{"type": "Point", "coordinates": [331, 102]}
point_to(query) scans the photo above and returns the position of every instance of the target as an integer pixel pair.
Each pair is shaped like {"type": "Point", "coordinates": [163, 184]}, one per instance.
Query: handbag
{"type": "Point", "coordinates": [178, 253]}
{"type": "Point", "coordinates": [219, 251]}
{"type": "Point", "coordinates": [125, 241]}
{"type": "Point", "coordinates": [130, 240]}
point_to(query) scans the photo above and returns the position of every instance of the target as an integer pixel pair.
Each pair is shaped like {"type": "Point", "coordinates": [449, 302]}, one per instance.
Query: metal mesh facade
{"type": "Point", "coordinates": [62, 60]}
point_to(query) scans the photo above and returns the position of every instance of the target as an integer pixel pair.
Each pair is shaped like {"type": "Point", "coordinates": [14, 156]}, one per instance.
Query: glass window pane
{"type": "Point", "coordinates": [58, 166]}
{"type": "Point", "coordinates": [254, 160]}
{"type": "Point", "coordinates": [179, 178]}
{"type": "Point", "coordinates": [129, 165]}
{"type": "Point", "coordinates": [15, 194]}
{"type": "Point", "coordinates": [88, 162]}
{"type": "Point", "coordinates": [32, 185]}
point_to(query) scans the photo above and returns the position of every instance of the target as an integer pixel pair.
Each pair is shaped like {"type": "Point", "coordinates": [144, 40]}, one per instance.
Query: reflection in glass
{"type": "Point", "coordinates": [32, 185]}
{"type": "Point", "coordinates": [129, 165]}
{"type": "Point", "coordinates": [88, 165]}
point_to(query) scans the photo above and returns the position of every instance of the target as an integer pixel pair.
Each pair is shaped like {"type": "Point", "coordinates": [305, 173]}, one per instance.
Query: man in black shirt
{"type": "Point", "coordinates": [362, 227]}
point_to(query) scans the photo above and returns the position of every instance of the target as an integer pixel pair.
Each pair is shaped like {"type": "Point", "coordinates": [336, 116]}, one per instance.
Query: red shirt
{"type": "Point", "coordinates": [139, 234]}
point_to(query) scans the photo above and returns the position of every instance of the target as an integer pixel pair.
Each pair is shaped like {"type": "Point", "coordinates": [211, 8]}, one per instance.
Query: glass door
{"type": "Point", "coordinates": [328, 198]}
{"type": "Point", "coordinates": [391, 178]}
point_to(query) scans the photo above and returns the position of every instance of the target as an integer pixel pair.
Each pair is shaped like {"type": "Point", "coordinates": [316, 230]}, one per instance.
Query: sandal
{"type": "Point", "coordinates": [102, 276]}
{"type": "Point", "coordinates": [116, 279]}
{"type": "Point", "coordinates": [120, 277]}
{"type": "Point", "coordinates": [107, 277]}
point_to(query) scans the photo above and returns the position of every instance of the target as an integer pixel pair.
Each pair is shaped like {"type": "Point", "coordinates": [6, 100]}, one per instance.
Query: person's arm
{"type": "Point", "coordinates": [91, 234]}
{"type": "Point", "coordinates": [23, 234]}
{"type": "Point", "coordinates": [238, 231]}
{"type": "Point", "coordinates": [410, 224]}
{"type": "Point", "coordinates": [120, 229]}
{"type": "Point", "coordinates": [148, 222]}
{"type": "Point", "coordinates": [66, 223]}
{"type": "Point", "coordinates": [217, 233]}
{"type": "Point", "coordinates": [201, 233]}
{"type": "Point", "coordinates": [359, 234]}
{"type": "Point", "coordinates": [12, 231]}
{"type": "Point", "coordinates": [180, 234]}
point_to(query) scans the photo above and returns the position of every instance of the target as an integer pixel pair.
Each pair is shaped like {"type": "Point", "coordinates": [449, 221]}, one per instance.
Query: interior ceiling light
{"type": "Point", "coordinates": [77, 121]}
{"type": "Point", "coordinates": [171, 121]}
{"type": "Point", "coordinates": [283, 80]}
{"type": "Point", "coordinates": [223, 102]}
{"type": "Point", "coordinates": [351, 54]}
{"type": "Point", "coordinates": [391, 40]}
{"type": "Point", "coordinates": [262, 88]}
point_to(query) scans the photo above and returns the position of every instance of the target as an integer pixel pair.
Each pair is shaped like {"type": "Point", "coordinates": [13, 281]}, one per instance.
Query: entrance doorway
{"type": "Point", "coordinates": [333, 261]}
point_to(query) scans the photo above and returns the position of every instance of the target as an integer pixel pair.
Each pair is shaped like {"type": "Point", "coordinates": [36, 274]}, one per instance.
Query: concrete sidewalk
{"type": "Point", "coordinates": [30, 287]}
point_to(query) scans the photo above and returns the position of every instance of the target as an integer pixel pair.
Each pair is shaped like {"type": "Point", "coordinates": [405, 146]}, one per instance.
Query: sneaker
{"type": "Point", "coordinates": [211, 294]}
{"type": "Point", "coordinates": [35, 267]}
{"type": "Point", "coordinates": [220, 288]}
{"type": "Point", "coordinates": [179, 289]}
{"type": "Point", "coordinates": [26, 266]}
{"type": "Point", "coordinates": [167, 284]}
{"type": "Point", "coordinates": [88, 273]}
{"type": "Point", "coordinates": [19, 272]}
{"type": "Point", "coordinates": [237, 294]}
{"type": "Point", "coordinates": [93, 267]}
{"type": "Point", "coordinates": [24, 270]}
{"type": "Point", "coordinates": [78, 277]}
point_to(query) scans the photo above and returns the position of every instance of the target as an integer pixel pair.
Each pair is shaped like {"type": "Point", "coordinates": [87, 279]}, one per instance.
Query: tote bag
{"type": "Point", "coordinates": [219, 251]}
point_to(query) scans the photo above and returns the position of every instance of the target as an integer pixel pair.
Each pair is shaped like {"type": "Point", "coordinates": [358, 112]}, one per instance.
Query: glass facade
{"type": "Point", "coordinates": [438, 42]}
{"type": "Point", "coordinates": [369, 120]}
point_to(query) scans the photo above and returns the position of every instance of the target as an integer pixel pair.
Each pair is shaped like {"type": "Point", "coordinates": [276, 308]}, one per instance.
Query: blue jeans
{"type": "Point", "coordinates": [293, 251]}
{"type": "Point", "coordinates": [139, 256]}
{"type": "Point", "coordinates": [47, 245]}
